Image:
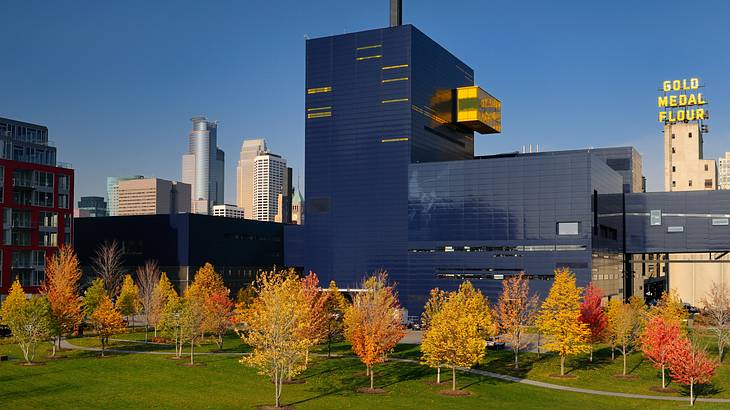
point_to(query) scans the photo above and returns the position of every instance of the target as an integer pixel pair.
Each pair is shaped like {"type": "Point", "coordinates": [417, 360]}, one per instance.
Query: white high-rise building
{"type": "Point", "coordinates": [228, 211]}
{"type": "Point", "coordinates": [268, 183]}
{"type": "Point", "coordinates": [250, 149]}
{"type": "Point", "coordinates": [203, 166]}
{"type": "Point", "coordinates": [723, 172]}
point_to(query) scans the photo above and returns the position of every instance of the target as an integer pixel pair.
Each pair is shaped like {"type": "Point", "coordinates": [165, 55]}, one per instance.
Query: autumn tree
{"type": "Point", "coordinates": [457, 334]}
{"type": "Point", "coordinates": [272, 326]}
{"type": "Point", "coordinates": [246, 295]}
{"type": "Point", "coordinates": [624, 326]}
{"type": "Point", "coordinates": [690, 365]}
{"type": "Point", "coordinates": [128, 301]}
{"type": "Point", "coordinates": [516, 309]}
{"type": "Point", "coordinates": [61, 288]}
{"type": "Point", "coordinates": [613, 310]}
{"type": "Point", "coordinates": [93, 296]}
{"type": "Point", "coordinates": [334, 308]}
{"type": "Point", "coordinates": [559, 318]}
{"type": "Point", "coordinates": [315, 318]}
{"type": "Point", "coordinates": [107, 264]}
{"type": "Point", "coordinates": [148, 276]}
{"type": "Point", "coordinates": [209, 281]}
{"type": "Point", "coordinates": [29, 320]}
{"type": "Point", "coordinates": [170, 320]}
{"type": "Point", "coordinates": [717, 311]}
{"type": "Point", "coordinates": [656, 342]}
{"type": "Point", "coordinates": [593, 315]}
{"type": "Point", "coordinates": [161, 294]}
{"type": "Point", "coordinates": [192, 319]}
{"type": "Point", "coordinates": [218, 315]}
{"type": "Point", "coordinates": [670, 307]}
{"type": "Point", "coordinates": [434, 304]}
{"type": "Point", "coordinates": [373, 323]}
{"type": "Point", "coordinates": [107, 321]}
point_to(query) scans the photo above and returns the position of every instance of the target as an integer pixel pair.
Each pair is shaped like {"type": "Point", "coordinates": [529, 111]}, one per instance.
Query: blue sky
{"type": "Point", "coordinates": [116, 82]}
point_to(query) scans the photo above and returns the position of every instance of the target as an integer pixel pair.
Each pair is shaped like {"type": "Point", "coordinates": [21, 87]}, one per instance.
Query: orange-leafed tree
{"type": "Point", "coordinates": [218, 315]}
{"type": "Point", "coordinates": [61, 287]}
{"type": "Point", "coordinates": [516, 309]}
{"type": "Point", "coordinates": [107, 321]}
{"type": "Point", "coordinates": [559, 318]}
{"type": "Point", "coordinates": [690, 365]}
{"type": "Point", "coordinates": [656, 342]}
{"type": "Point", "coordinates": [593, 315]}
{"type": "Point", "coordinates": [373, 323]}
{"type": "Point", "coordinates": [315, 322]}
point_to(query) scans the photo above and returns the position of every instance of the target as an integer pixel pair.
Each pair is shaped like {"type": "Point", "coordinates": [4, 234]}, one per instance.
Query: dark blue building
{"type": "Point", "coordinates": [393, 184]}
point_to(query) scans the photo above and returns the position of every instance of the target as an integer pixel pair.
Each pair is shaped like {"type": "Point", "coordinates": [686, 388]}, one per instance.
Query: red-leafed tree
{"type": "Point", "coordinates": [218, 315]}
{"type": "Point", "coordinates": [593, 315]}
{"type": "Point", "coordinates": [657, 340]}
{"type": "Point", "coordinates": [690, 365]}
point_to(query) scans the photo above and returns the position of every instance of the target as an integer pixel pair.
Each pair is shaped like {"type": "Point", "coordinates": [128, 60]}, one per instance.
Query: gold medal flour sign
{"type": "Point", "coordinates": [681, 101]}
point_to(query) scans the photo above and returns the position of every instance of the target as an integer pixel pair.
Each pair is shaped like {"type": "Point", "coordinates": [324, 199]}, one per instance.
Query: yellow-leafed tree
{"type": "Point", "coordinates": [435, 302]}
{"type": "Point", "coordinates": [29, 320]}
{"type": "Point", "coordinates": [161, 294]}
{"type": "Point", "coordinates": [373, 323]}
{"type": "Point", "coordinates": [624, 326]}
{"type": "Point", "coordinates": [128, 302]}
{"type": "Point", "coordinates": [559, 318]}
{"type": "Point", "coordinates": [458, 332]}
{"type": "Point", "coordinates": [107, 321]}
{"type": "Point", "coordinates": [272, 325]}
{"type": "Point", "coordinates": [670, 307]}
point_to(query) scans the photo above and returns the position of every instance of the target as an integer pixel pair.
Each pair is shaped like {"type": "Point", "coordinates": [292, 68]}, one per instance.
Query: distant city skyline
{"type": "Point", "coordinates": [119, 82]}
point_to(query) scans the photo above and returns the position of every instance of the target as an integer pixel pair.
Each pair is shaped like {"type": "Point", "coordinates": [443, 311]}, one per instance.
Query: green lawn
{"type": "Point", "coordinates": [600, 375]}
{"type": "Point", "coordinates": [143, 381]}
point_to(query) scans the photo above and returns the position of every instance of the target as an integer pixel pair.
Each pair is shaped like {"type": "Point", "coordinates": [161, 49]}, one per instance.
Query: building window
{"type": "Point", "coordinates": [689, 183]}
{"type": "Point", "coordinates": [47, 239]}
{"type": "Point", "coordinates": [63, 183]}
{"type": "Point", "coordinates": [655, 217]}
{"type": "Point", "coordinates": [674, 183]}
{"type": "Point", "coordinates": [48, 219]}
{"type": "Point", "coordinates": [44, 199]}
{"type": "Point", "coordinates": [708, 183]}
{"type": "Point", "coordinates": [672, 136]}
{"type": "Point", "coordinates": [720, 222]}
{"type": "Point", "coordinates": [674, 169]}
{"type": "Point", "coordinates": [568, 228]}
{"type": "Point", "coordinates": [674, 150]}
{"type": "Point", "coordinates": [707, 167]}
{"type": "Point", "coordinates": [63, 201]}
{"type": "Point", "coordinates": [690, 135]}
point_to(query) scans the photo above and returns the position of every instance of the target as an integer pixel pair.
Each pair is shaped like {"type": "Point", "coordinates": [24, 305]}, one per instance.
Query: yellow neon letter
{"type": "Point", "coordinates": [667, 85]}
{"type": "Point", "coordinates": [682, 99]}
{"type": "Point", "coordinates": [663, 101]}
{"type": "Point", "coordinates": [700, 114]}
{"type": "Point", "coordinates": [700, 100]}
{"type": "Point", "coordinates": [694, 83]}
{"type": "Point", "coordinates": [676, 85]}
{"type": "Point", "coordinates": [672, 100]}
{"type": "Point", "coordinates": [662, 116]}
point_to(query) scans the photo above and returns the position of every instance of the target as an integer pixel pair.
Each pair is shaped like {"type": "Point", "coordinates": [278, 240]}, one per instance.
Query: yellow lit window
{"type": "Point", "coordinates": [394, 139]}
{"type": "Point", "coordinates": [369, 47]}
{"type": "Point", "coordinates": [391, 80]}
{"type": "Point", "coordinates": [319, 90]}
{"type": "Point", "coordinates": [395, 100]}
{"type": "Point", "coordinates": [319, 108]}
{"type": "Point", "coordinates": [320, 114]}
{"type": "Point", "coordinates": [392, 67]}
{"type": "Point", "coordinates": [369, 57]}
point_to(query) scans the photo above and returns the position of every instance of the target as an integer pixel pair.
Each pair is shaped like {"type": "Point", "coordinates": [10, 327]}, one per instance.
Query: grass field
{"type": "Point", "coordinates": [153, 381]}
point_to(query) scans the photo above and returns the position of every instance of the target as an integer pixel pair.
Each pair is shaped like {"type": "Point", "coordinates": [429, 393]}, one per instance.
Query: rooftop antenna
{"type": "Point", "coordinates": [396, 13]}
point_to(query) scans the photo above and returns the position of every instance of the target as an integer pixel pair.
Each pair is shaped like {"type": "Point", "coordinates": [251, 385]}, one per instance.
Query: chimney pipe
{"type": "Point", "coordinates": [396, 13]}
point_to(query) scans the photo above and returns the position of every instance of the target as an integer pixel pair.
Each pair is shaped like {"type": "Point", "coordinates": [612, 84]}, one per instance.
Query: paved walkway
{"type": "Point", "coordinates": [66, 345]}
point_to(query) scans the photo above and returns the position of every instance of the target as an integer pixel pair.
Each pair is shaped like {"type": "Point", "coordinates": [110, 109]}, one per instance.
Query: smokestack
{"type": "Point", "coordinates": [396, 13]}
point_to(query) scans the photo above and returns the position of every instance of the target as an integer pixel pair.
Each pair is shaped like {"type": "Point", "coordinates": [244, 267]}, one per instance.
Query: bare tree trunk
{"type": "Point", "coordinates": [562, 365]}
{"type": "Point", "coordinates": [453, 377]}
{"type": "Point", "coordinates": [192, 352]}
{"type": "Point", "coordinates": [691, 392]}
{"type": "Point", "coordinates": [103, 345]}
{"type": "Point", "coordinates": [591, 358]}
{"type": "Point", "coordinates": [517, 358]}
{"type": "Point", "coordinates": [664, 383]}
{"type": "Point", "coordinates": [438, 375]}
{"type": "Point", "coordinates": [623, 352]}
{"type": "Point", "coordinates": [371, 379]}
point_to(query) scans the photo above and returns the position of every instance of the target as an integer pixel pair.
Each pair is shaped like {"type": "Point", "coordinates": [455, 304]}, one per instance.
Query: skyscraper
{"type": "Point", "coordinates": [91, 207]}
{"type": "Point", "coordinates": [268, 183]}
{"type": "Point", "coordinates": [250, 149]}
{"type": "Point", "coordinates": [203, 166]}
{"type": "Point", "coordinates": [112, 192]}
